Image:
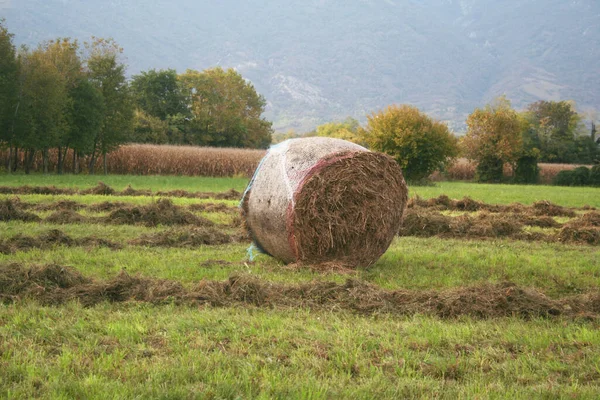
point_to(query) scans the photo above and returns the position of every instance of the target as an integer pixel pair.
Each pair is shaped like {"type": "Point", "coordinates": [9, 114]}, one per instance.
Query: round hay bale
{"type": "Point", "coordinates": [319, 199]}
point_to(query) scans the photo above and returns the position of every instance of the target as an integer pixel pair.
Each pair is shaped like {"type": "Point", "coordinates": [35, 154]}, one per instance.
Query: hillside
{"type": "Point", "coordinates": [318, 60]}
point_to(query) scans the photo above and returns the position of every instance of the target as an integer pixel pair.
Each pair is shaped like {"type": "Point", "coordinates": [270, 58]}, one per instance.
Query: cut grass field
{"type": "Point", "coordinates": [256, 346]}
{"type": "Point", "coordinates": [495, 194]}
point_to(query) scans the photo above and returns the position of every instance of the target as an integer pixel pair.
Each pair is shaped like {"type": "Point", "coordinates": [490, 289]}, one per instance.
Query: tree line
{"type": "Point", "coordinates": [497, 135]}
{"type": "Point", "coordinates": [65, 98]}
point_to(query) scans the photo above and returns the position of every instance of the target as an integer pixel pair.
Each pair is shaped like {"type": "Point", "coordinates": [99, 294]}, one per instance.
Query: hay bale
{"type": "Point", "coordinates": [320, 199]}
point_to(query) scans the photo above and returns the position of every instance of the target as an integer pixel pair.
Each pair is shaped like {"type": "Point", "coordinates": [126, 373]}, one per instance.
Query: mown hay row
{"type": "Point", "coordinates": [467, 204]}
{"type": "Point", "coordinates": [424, 223]}
{"type": "Point", "coordinates": [51, 238]}
{"type": "Point", "coordinates": [180, 238]}
{"type": "Point", "coordinates": [105, 190]}
{"type": "Point", "coordinates": [10, 210]}
{"type": "Point", "coordinates": [160, 212]}
{"type": "Point", "coordinates": [421, 222]}
{"type": "Point", "coordinates": [55, 285]}
{"type": "Point", "coordinates": [185, 238]}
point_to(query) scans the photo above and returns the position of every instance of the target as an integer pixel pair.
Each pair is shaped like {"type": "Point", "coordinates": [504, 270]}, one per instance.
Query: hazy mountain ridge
{"type": "Point", "coordinates": [318, 60]}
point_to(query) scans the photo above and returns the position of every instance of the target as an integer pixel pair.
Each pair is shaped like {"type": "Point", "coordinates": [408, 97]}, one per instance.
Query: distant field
{"type": "Point", "coordinates": [170, 160]}
{"type": "Point", "coordinates": [131, 297]}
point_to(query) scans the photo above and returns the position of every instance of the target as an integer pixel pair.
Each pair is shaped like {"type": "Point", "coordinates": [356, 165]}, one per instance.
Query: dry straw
{"type": "Point", "coordinates": [320, 200]}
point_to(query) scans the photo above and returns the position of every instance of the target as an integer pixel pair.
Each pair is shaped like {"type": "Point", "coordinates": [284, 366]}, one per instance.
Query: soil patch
{"type": "Point", "coordinates": [55, 285]}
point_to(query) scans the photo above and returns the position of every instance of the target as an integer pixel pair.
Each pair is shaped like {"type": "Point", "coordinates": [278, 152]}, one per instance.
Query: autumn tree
{"type": "Point", "coordinates": [494, 138]}
{"type": "Point", "coordinates": [225, 110]}
{"type": "Point", "coordinates": [348, 129]}
{"type": "Point", "coordinates": [418, 143]}
{"type": "Point", "coordinates": [107, 73]}
{"type": "Point", "coordinates": [8, 90]}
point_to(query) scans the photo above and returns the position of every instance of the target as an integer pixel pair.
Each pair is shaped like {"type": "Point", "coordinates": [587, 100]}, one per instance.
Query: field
{"type": "Point", "coordinates": [150, 160]}
{"type": "Point", "coordinates": [149, 292]}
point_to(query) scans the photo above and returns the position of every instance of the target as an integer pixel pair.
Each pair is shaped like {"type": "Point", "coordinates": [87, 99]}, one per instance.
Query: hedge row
{"type": "Point", "coordinates": [580, 176]}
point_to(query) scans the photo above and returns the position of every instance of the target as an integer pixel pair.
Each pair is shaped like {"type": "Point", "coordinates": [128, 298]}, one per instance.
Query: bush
{"type": "Point", "coordinates": [595, 175]}
{"type": "Point", "coordinates": [580, 176]}
{"type": "Point", "coordinates": [419, 144]}
{"type": "Point", "coordinates": [490, 170]}
{"type": "Point", "coordinates": [527, 170]}
{"type": "Point", "coordinates": [563, 178]}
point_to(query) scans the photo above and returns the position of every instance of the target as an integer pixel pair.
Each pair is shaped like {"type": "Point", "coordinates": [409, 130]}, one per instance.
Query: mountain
{"type": "Point", "coordinates": [321, 60]}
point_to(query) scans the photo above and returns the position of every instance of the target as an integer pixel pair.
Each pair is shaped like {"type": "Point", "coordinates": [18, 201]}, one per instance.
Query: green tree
{"type": "Point", "coordinates": [225, 110]}
{"type": "Point", "coordinates": [526, 167]}
{"type": "Point", "coordinates": [494, 138]}
{"type": "Point", "coordinates": [43, 98]}
{"type": "Point", "coordinates": [557, 126]}
{"type": "Point", "coordinates": [9, 88]}
{"type": "Point", "coordinates": [63, 53]}
{"type": "Point", "coordinates": [107, 73]}
{"type": "Point", "coordinates": [419, 144]}
{"type": "Point", "coordinates": [85, 120]}
{"type": "Point", "coordinates": [149, 129]}
{"type": "Point", "coordinates": [158, 93]}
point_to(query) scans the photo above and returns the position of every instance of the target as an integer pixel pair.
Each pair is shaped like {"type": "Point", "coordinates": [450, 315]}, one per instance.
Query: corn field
{"type": "Point", "coordinates": [144, 159]}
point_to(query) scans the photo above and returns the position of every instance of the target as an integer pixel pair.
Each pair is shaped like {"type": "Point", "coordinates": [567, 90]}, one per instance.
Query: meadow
{"type": "Point", "coordinates": [134, 296]}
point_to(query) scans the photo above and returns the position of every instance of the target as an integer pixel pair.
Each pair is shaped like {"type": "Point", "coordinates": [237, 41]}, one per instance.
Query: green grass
{"type": "Point", "coordinates": [93, 199]}
{"type": "Point", "coordinates": [411, 263]}
{"type": "Point", "coordinates": [170, 352]}
{"type": "Point", "coordinates": [495, 194]}
{"type": "Point", "coordinates": [506, 194]}
{"type": "Point", "coordinates": [120, 182]}
{"type": "Point", "coordinates": [136, 350]}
